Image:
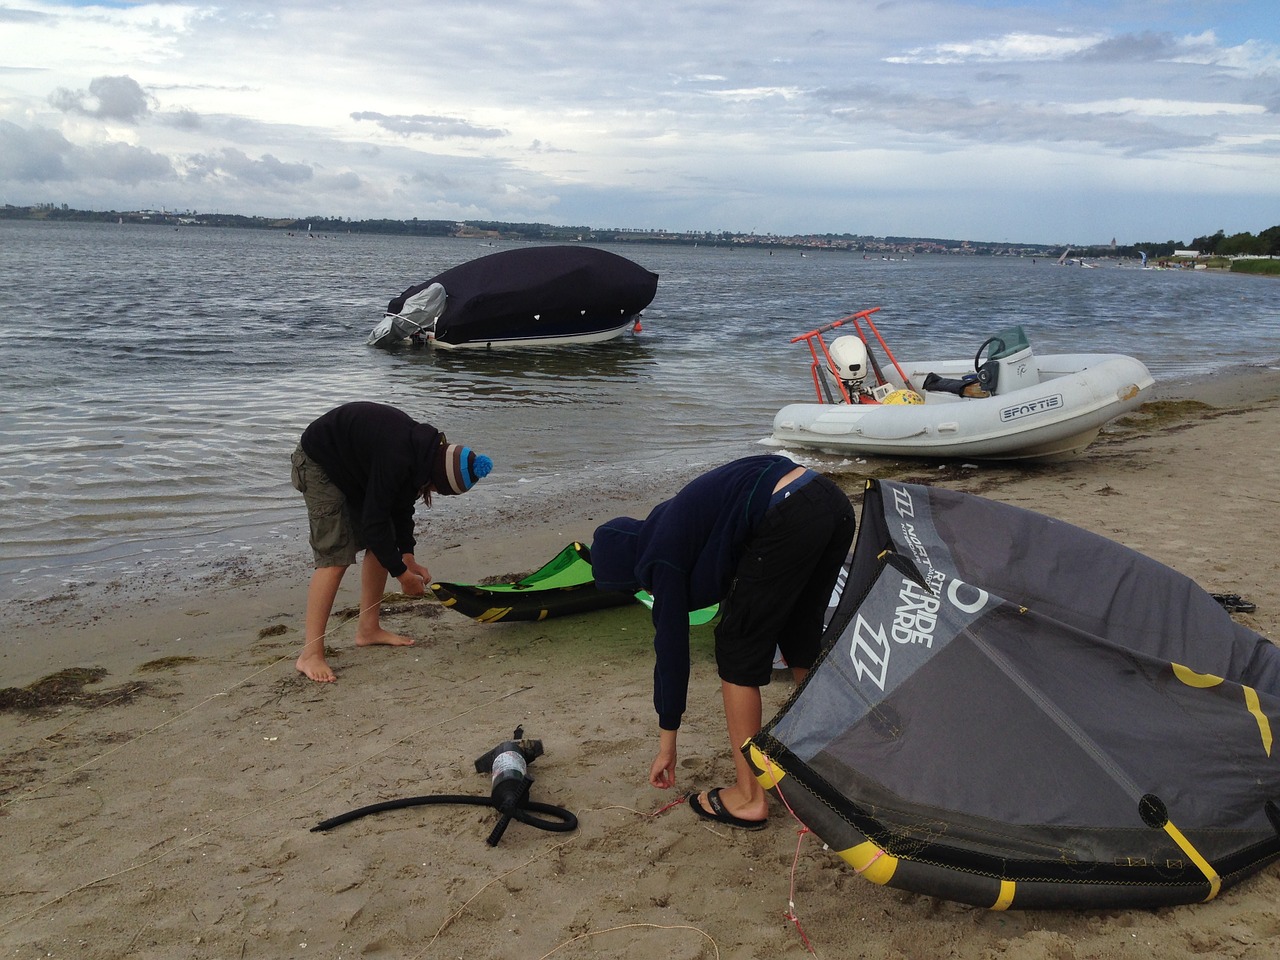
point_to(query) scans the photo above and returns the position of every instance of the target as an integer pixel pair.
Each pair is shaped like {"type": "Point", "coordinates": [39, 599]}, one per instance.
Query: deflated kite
{"type": "Point", "coordinates": [1013, 712]}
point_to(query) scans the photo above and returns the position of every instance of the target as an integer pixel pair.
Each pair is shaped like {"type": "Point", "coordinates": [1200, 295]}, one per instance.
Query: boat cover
{"type": "Point", "coordinates": [1010, 711]}
{"type": "Point", "coordinates": [537, 291]}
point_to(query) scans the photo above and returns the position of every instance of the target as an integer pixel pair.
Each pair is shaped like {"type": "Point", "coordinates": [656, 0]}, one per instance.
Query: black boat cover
{"type": "Point", "coordinates": [548, 291]}
{"type": "Point", "coordinates": [1010, 711]}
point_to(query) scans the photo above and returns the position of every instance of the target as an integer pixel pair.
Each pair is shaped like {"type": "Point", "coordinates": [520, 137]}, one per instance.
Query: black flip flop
{"type": "Point", "coordinates": [1234, 603]}
{"type": "Point", "coordinates": [721, 815]}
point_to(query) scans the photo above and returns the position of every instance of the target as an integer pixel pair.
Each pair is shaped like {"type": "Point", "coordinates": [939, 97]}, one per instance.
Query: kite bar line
{"type": "Point", "coordinates": [663, 809]}
{"type": "Point", "coordinates": [633, 926]}
{"type": "Point", "coordinates": [795, 861]}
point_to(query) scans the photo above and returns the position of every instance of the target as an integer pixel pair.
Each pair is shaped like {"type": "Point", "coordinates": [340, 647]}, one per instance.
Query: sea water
{"type": "Point", "coordinates": [156, 379]}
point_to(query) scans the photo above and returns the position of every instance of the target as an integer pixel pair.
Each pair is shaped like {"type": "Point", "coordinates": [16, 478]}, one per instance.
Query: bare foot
{"type": "Point", "coordinates": [315, 666]}
{"type": "Point", "coordinates": [383, 637]}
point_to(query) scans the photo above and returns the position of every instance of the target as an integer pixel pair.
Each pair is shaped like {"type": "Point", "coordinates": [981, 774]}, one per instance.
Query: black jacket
{"type": "Point", "coordinates": [380, 458]}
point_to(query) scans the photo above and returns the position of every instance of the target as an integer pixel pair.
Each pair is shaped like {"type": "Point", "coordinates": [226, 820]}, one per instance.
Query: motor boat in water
{"type": "Point", "coordinates": [1007, 403]}
{"type": "Point", "coordinates": [528, 296]}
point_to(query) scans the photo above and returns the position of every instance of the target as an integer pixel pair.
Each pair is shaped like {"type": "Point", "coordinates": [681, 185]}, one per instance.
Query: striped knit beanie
{"type": "Point", "coordinates": [457, 468]}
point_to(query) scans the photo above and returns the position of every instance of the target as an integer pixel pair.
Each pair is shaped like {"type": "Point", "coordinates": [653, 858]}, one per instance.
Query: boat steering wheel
{"type": "Point", "coordinates": [995, 343]}
{"type": "Point", "coordinates": [989, 371]}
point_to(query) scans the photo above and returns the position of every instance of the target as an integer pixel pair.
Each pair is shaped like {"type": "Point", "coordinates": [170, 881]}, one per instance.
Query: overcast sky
{"type": "Point", "coordinates": [1057, 121]}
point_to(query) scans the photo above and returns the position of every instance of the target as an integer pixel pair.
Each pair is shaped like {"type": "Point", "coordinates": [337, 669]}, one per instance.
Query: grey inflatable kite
{"type": "Point", "coordinates": [1013, 712]}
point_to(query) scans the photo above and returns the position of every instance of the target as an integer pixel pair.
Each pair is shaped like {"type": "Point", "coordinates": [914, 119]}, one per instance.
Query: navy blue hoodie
{"type": "Point", "coordinates": [685, 554]}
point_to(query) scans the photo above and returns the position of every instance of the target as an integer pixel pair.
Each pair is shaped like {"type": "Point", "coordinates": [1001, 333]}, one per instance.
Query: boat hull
{"type": "Point", "coordinates": [600, 335]}
{"type": "Point", "coordinates": [1053, 419]}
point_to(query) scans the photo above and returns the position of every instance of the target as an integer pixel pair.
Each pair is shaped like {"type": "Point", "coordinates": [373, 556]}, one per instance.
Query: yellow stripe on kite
{"type": "Point", "coordinates": [1192, 679]}
{"type": "Point", "coordinates": [1203, 681]}
{"type": "Point", "coordinates": [1215, 882]}
{"type": "Point", "coordinates": [1005, 900]}
{"type": "Point", "coordinates": [871, 862]}
{"type": "Point", "coordinates": [770, 774]}
{"type": "Point", "coordinates": [493, 614]}
{"type": "Point", "coordinates": [1264, 725]}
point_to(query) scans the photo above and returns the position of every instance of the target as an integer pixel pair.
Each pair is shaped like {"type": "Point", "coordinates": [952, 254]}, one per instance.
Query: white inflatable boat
{"type": "Point", "coordinates": [1009, 405]}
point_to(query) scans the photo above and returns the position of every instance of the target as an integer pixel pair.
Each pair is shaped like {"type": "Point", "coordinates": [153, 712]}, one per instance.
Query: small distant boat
{"type": "Point", "coordinates": [1007, 403]}
{"type": "Point", "coordinates": [529, 296]}
{"type": "Point", "coordinates": [1069, 261]}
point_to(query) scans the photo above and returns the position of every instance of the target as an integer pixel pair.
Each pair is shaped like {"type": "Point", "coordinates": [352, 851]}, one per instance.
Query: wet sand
{"type": "Point", "coordinates": [163, 762]}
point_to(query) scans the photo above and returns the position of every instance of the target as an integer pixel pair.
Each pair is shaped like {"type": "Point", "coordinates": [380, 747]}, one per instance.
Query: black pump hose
{"type": "Point", "coordinates": [564, 820]}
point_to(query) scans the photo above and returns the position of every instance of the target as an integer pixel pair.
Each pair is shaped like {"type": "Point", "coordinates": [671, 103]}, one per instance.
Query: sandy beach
{"type": "Point", "coordinates": [164, 763]}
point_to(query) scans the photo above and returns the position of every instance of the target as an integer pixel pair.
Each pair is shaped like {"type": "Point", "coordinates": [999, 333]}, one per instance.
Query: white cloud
{"type": "Point", "coordinates": [1009, 48]}
{"type": "Point", "coordinates": [1157, 107]}
{"type": "Point", "coordinates": [437, 128]}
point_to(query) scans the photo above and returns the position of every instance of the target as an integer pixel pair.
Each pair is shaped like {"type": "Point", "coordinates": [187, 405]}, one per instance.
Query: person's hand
{"type": "Point", "coordinates": [415, 567]}
{"type": "Point", "coordinates": [412, 584]}
{"type": "Point", "coordinates": [662, 772]}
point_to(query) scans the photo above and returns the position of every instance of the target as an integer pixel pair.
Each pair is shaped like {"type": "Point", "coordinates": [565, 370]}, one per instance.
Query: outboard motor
{"type": "Point", "coordinates": [416, 319]}
{"type": "Point", "coordinates": [849, 354]}
{"type": "Point", "coordinates": [421, 311]}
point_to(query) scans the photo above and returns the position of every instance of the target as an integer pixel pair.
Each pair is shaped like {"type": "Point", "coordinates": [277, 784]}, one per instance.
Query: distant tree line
{"type": "Point", "coordinates": [1266, 243]}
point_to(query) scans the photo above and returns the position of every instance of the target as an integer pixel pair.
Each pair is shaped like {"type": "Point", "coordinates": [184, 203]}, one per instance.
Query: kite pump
{"type": "Point", "coordinates": [508, 765]}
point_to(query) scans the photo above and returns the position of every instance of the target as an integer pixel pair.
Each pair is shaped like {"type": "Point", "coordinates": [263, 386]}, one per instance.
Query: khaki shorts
{"type": "Point", "coordinates": [333, 535]}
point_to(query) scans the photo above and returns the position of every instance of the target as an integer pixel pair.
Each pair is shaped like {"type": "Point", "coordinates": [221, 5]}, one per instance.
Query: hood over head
{"type": "Point", "coordinates": [614, 552]}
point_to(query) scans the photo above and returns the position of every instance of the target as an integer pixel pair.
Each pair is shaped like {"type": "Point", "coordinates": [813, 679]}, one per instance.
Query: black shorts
{"type": "Point", "coordinates": [783, 584]}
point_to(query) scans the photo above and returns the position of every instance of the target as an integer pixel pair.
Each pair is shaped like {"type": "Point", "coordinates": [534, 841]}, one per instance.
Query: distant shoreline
{"type": "Point", "coordinates": [549, 233]}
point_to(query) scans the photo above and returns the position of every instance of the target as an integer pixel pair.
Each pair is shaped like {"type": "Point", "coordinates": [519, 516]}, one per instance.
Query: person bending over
{"type": "Point", "coordinates": [766, 539]}
{"type": "Point", "coordinates": [361, 467]}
